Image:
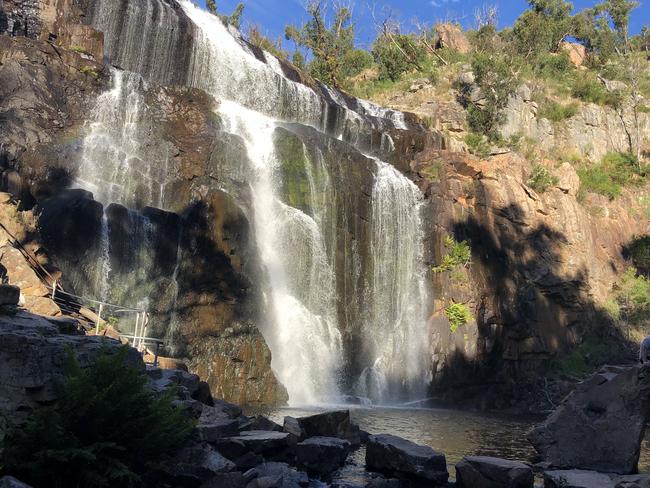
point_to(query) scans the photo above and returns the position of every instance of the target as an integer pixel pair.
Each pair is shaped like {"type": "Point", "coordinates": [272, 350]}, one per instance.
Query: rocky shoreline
{"type": "Point", "coordinates": [231, 450]}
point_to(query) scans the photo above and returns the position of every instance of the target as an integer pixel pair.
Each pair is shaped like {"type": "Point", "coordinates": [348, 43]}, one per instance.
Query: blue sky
{"type": "Point", "coordinates": [273, 15]}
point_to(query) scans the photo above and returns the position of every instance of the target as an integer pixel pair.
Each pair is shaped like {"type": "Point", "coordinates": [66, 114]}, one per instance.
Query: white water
{"type": "Point", "coordinates": [396, 329]}
{"type": "Point", "coordinates": [297, 247]}
{"type": "Point", "coordinates": [301, 328]}
{"type": "Point", "coordinates": [117, 163]}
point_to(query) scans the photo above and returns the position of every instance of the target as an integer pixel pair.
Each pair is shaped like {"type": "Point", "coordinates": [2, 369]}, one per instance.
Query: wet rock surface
{"type": "Point", "coordinates": [601, 424]}
{"type": "Point", "coordinates": [489, 472]}
{"type": "Point", "coordinates": [393, 455]}
{"type": "Point", "coordinates": [592, 479]}
{"type": "Point", "coordinates": [322, 455]}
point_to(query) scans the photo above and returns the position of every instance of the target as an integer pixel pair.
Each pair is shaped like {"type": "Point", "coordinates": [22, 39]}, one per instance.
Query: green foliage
{"type": "Point", "coordinates": [632, 293]}
{"type": "Point", "coordinates": [458, 254]}
{"type": "Point", "coordinates": [80, 50]}
{"type": "Point", "coordinates": [87, 70]}
{"type": "Point", "coordinates": [256, 38]}
{"type": "Point", "coordinates": [585, 358]}
{"type": "Point", "coordinates": [619, 11]}
{"type": "Point", "coordinates": [639, 252]}
{"type": "Point", "coordinates": [233, 19]}
{"type": "Point", "coordinates": [478, 145]}
{"type": "Point", "coordinates": [328, 43]}
{"type": "Point", "coordinates": [458, 315]}
{"type": "Point", "coordinates": [541, 179]}
{"type": "Point", "coordinates": [495, 76]}
{"type": "Point", "coordinates": [355, 61]}
{"type": "Point", "coordinates": [615, 171]}
{"type": "Point", "coordinates": [396, 54]}
{"type": "Point", "coordinates": [540, 29]}
{"type": "Point", "coordinates": [556, 112]}
{"type": "Point", "coordinates": [553, 65]}
{"type": "Point", "coordinates": [589, 89]}
{"type": "Point", "coordinates": [106, 429]}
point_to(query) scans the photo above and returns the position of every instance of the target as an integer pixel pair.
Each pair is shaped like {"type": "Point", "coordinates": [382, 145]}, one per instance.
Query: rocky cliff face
{"type": "Point", "coordinates": [542, 264]}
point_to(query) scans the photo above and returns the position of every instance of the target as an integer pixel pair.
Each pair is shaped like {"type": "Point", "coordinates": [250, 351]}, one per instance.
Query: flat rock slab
{"type": "Point", "coordinates": [490, 472]}
{"type": "Point", "coordinates": [198, 462]}
{"type": "Point", "coordinates": [216, 429]}
{"type": "Point", "coordinates": [600, 425]}
{"type": "Point", "coordinates": [400, 457]}
{"type": "Point", "coordinates": [327, 424]}
{"type": "Point", "coordinates": [590, 479]}
{"type": "Point", "coordinates": [259, 441]}
{"type": "Point", "coordinates": [322, 455]}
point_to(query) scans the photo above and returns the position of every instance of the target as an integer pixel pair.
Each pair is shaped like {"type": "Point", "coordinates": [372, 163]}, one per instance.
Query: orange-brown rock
{"type": "Point", "coordinates": [451, 36]}
{"type": "Point", "coordinates": [577, 52]}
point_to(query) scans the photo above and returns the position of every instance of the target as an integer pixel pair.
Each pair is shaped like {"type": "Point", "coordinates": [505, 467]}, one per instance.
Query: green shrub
{"type": "Point", "coordinates": [477, 144]}
{"type": "Point", "coordinates": [541, 179]}
{"type": "Point", "coordinates": [458, 315]}
{"type": "Point", "coordinates": [589, 89]}
{"type": "Point", "coordinates": [87, 70]}
{"type": "Point", "coordinates": [355, 61]}
{"type": "Point", "coordinates": [106, 429]}
{"type": "Point", "coordinates": [459, 254]}
{"type": "Point", "coordinates": [615, 171]}
{"type": "Point", "coordinates": [495, 76]}
{"type": "Point", "coordinates": [633, 294]}
{"type": "Point", "coordinates": [80, 50]}
{"type": "Point", "coordinates": [556, 112]}
{"type": "Point", "coordinates": [554, 65]}
{"type": "Point", "coordinates": [585, 358]}
{"type": "Point", "coordinates": [639, 252]}
{"type": "Point", "coordinates": [397, 55]}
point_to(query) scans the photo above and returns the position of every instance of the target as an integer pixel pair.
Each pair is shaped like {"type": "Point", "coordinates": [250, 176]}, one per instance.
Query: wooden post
{"type": "Point", "coordinates": [99, 318]}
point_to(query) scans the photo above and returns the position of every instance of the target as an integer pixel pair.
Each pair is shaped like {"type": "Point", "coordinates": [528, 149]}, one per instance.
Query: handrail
{"type": "Point", "coordinates": [139, 337]}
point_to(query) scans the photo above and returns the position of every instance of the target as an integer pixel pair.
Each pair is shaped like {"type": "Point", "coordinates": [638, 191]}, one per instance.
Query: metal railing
{"type": "Point", "coordinates": [95, 312]}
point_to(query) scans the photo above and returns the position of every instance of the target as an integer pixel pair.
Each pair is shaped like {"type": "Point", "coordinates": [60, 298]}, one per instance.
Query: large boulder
{"type": "Point", "coordinates": [451, 36]}
{"type": "Point", "coordinates": [11, 482]}
{"type": "Point", "coordinates": [489, 472]}
{"type": "Point", "coordinates": [197, 462]}
{"type": "Point", "coordinates": [590, 479]}
{"type": "Point", "coordinates": [34, 357]}
{"type": "Point", "coordinates": [326, 424]}
{"type": "Point", "coordinates": [577, 52]}
{"type": "Point", "coordinates": [322, 455]}
{"type": "Point", "coordinates": [275, 475]}
{"type": "Point", "coordinates": [600, 425]}
{"type": "Point", "coordinates": [399, 457]}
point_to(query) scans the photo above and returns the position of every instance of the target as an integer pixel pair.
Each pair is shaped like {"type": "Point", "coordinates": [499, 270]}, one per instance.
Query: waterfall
{"type": "Point", "coordinates": [396, 325]}
{"type": "Point", "coordinates": [329, 267]}
{"type": "Point", "coordinates": [117, 163]}
{"type": "Point", "coordinates": [301, 329]}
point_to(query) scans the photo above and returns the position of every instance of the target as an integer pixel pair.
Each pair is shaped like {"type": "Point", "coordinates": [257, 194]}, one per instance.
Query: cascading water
{"type": "Point", "coordinates": [117, 165]}
{"type": "Point", "coordinates": [302, 330]}
{"type": "Point", "coordinates": [328, 268]}
{"type": "Point", "coordinates": [396, 322]}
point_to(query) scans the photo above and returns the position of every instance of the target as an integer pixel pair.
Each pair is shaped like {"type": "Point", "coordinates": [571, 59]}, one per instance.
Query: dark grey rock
{"type": "Point", "coordinates": [11, 482]}
{"type": "Point", "coordinates": [9, 295]}
{"type": "Point", "coordinates": [396, 456]}
{"type": "Point", "coordinates": [196, 463]}
{"type": "Point", "coordinates": [600, 425]}
{"type": "Point", "coordinates": [216, 429]}
{"type": "Point", "coordinates": [489, 472]}
{"type": "Point", "coordinates": [326, 424]}
{"type": "Point", "coordinates": [260, 422]}
{"type": "Point", "coordinates": [226, 480]}
{"type": "Point", "coordinates": [590, 479]}
{"type": "Point", "coordinates": [275, 475]}
{"type": "Point", "coordinates": [322, 455]}
{"type": "Point", "coordinates": [248, 461]}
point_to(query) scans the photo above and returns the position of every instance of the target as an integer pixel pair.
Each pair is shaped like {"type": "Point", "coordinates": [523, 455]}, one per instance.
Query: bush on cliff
{"type": "Point", "coordinates": [106, 429]}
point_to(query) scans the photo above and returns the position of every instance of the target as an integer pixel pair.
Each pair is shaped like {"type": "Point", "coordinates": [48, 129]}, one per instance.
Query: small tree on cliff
{"type": "Point", "coordinates": [619, 11]}
{"type": "Point", "coordinates": [540, 29]}
{"type": "Point", "coordinates": [329, 42]}
{"type": "Point", "coordinates": [233, 19]}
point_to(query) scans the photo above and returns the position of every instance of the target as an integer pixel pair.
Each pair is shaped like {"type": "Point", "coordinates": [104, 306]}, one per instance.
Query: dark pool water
{"type": "Point", "coordinates": [453, 432]}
